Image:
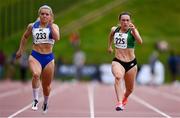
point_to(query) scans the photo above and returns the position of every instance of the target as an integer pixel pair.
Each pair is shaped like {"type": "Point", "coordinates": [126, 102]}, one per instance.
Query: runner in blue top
{"type": "Point", "coordinates": [124, 65]}
{"type": "Point", "coordinates": [41, 61]}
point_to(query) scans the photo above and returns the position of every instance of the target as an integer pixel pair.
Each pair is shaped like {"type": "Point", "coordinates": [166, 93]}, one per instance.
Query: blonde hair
{"type": "Point", "coordinates": [46, 7]}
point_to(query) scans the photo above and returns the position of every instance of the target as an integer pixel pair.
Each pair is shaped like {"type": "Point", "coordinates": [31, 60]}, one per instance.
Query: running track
{"type": "Point", "coordinates": [90, 100]}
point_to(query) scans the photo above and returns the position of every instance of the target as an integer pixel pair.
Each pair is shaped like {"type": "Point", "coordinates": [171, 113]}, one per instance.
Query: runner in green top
{"type": "Point", "coordinates": [124, 65]}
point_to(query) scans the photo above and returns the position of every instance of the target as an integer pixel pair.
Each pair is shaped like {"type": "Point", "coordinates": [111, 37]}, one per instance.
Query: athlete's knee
{"type": "Point", "coordinates": [117, 77]}
{"type": "Point", "coordinates": [35, 75]}
{"type": "Point", "coordinates": [46, 89]}
{"type": "Point", "coordinates": [117, 80]}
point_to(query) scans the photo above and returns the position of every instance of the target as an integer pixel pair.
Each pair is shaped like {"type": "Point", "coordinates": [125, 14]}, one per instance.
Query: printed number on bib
{"type": "Point", "coordinates": [40, 36]}
{"type": "Point", "coordinates": [120, 40]}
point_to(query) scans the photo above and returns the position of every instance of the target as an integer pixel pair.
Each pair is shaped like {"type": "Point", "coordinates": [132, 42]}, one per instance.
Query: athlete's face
{"type": "Point", "coordinates": [125, 21]}
{"type": "Point", "coordinates": [45, 15]}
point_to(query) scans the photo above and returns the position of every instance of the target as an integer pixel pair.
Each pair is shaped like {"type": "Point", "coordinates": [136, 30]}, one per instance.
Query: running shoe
{"type": "Point", "coordinates": [35, 105]}
{"type": "Point", "coordinates": [119, 106]}
{"type": "Point", "coordinates": [45, 108]}
{"type": "Point", "coordinates": [125, 100]}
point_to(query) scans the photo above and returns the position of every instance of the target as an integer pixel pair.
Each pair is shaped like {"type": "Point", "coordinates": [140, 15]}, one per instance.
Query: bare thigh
{"type": "Point", "coordinates": [130, 78]}
{"type": "Point", "coordinates": [48, 73]}
{"type": "Point", "coordinates": [118, 70]}
{"type": "Point", "coordinates": [34, 66]}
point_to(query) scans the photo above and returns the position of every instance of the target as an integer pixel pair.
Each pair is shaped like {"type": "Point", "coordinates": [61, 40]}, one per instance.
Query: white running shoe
{"type": "Point", "coordinates": [35, 105]}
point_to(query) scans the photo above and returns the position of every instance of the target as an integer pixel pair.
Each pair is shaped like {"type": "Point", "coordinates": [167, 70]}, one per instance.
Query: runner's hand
{"type": "Point", "coordinates": [18, 54]}
{"type": "Point", "coordinates": [131, 26]}
{"type": "Point", "coordinates": [110, 50]}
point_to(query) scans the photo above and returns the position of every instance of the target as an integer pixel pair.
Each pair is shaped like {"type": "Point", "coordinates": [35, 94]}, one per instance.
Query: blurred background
{"type": "Point", "coordinates": [84, 27]}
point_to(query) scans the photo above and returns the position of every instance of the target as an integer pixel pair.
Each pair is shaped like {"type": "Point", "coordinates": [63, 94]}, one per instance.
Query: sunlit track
{"type": "Point", "coordinates": [163, 93]}
{"type": "Point", "coordinates": [13, 89]}
{"type": "Point", "coordinates": [7, 85]}
{"type": "Point", "coordinates": [14, 92]}
{"type": "Point", "coordinates": [141, 101]}
{"type": "Point", "coordinates": [172, 89]}
{"type": "Point", "coordinates": [54, 92]}
{"type": "Point", "coordinates": [92, 100]}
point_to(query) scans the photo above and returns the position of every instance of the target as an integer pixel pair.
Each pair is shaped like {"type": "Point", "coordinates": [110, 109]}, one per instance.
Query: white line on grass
{"type": "Point", "coordinates": [141, 101]}
{"type": "Point", "coordinates": [91, 99]}
{"type": "Point", "coordinates": [54, 92]}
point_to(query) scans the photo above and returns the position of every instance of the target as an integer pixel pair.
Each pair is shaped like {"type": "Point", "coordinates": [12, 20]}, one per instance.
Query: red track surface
{"type": "Point", "coordinates": [90, 100]}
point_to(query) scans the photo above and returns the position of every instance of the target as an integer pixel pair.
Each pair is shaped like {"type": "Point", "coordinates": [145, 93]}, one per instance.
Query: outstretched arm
{"type": "Point", "coordinates": [24, 39]}
{"type": "Point", "coordinates": [111, 34]}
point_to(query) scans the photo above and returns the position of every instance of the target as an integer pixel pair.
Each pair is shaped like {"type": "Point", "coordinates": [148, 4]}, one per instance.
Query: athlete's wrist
{"type": "Point", "coordinates": [133, 29]}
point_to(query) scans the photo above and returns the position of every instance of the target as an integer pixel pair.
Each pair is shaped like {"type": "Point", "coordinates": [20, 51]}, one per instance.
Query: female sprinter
{"type": "Point", "coordinates": [41, 61]}
{"type": "Point", "coordinates": [124, 65]}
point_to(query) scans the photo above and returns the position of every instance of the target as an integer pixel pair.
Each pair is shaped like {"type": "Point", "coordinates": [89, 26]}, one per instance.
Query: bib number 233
{"type": "Point", "coordinates": [40, 35]}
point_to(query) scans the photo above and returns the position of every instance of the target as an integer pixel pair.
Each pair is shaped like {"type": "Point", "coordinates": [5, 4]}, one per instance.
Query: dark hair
{"type": "Point", "coordinates": [124, 13]}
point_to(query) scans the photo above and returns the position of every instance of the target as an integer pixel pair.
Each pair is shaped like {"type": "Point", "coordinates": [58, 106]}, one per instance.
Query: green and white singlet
{"type": "Point", "coordinates": [123, 40]}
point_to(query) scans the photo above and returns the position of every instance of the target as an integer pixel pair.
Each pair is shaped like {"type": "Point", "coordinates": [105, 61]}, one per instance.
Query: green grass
{"type": "Point", "coordinates": [151, 20]}
{"type": "Point", "coordinates": [155, 19]}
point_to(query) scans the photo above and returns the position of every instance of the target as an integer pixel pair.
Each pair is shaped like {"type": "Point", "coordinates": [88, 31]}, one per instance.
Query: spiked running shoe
{"type": "Point", "coordinates": [35, 105]}
{"type": "Point", "coordinates": [45, 108]}
{"type": "Point", "coordinates": [119, 106]}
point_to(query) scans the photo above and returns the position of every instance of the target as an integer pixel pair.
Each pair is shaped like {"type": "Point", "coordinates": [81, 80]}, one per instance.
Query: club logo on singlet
{"type": "Point", "coordinates": [120, 40]}
{"type": "Point", "coordinates": [132, 64]}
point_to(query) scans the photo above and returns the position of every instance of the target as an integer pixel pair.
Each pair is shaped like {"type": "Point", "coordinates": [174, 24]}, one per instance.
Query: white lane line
{"type": "Point", "coordinates": [91, 99]}
{"type": "Point", "coordinates": [54, 92]}
{"type": "Point", "coordinates": [13, 92]}
{"type": "Point", "coordinates": [141, 101]}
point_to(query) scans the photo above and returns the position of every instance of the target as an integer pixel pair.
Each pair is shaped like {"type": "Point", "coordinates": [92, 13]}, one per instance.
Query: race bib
{"type": "Point", "coordinates": [40, 35]}
{"type": "Point", "coordinates": [120, 40]}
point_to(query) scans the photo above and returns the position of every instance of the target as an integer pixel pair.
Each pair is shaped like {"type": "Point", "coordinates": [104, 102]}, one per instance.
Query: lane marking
{"type": "Point", "coordinates": [91, 99]}
{"type": "Point", "coordinates": [54, 92]}
{"type": "Point", "coordinates": [141, 101]}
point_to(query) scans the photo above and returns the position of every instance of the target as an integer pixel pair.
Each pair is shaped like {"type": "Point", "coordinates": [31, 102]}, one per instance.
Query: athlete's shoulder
{"type": "Point", "coordinates": [114, 28]}
{"type": "Point", "coordinates": [36, 24]}
{"type": "Point", "coordinates": [55, 25]}
{"type": "Point", "coordinates": [30, 25]}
